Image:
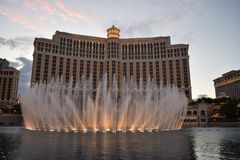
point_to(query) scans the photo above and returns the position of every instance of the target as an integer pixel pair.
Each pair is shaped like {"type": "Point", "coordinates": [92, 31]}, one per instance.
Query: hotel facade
{"type": "Point", "coordinates": [9, 79]}
{"type": "Point", "coordinates": [228, 85]}
{"type": "Point", "coordinates": [71, 56]}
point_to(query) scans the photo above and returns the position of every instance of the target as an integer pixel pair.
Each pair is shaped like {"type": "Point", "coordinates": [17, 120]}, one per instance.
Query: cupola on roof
{"type": "Point", "coordinates": [113, 32]}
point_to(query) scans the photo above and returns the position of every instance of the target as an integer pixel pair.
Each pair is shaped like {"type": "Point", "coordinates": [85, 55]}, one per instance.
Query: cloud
{"type": "Point", "coordinates": [40, 11]}
{"type": "Point", "coordinates": [34, 6]}
{"type": "Point", "coordinates": [25, 67]}
{"type": "Point", "coordinates": [46, 6]}
{"type": "Point", "coordinates": [149, 25]}
{"type": "Point", "coordinates": [18, 17]}
{"type": "Point", "coordinates": [18, 42]}
{"type": "Point", "coordinates": [175, 21]}
{"type": "Point", "coordinates": [70, 15]}
{"type": "Point", "coordinates": [58, 9]}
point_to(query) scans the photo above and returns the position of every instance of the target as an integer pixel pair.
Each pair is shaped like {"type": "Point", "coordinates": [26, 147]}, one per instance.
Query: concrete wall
{"type": "Point", "coordinates": [11, 120]}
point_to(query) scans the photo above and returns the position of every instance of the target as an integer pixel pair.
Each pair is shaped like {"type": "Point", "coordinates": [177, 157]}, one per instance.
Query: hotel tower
{"type": "Point", "coordinates": [9, 79]}
{"type": "Point", "coordinates": [72, 56]}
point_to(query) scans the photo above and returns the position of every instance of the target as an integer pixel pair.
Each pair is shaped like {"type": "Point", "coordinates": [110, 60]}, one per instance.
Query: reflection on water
{"type": "Point", "coordinates": [10, 140]}
{"type": "Point", "coordinates": [194, 143]}
{"type": "Point", "coordinates": [216, 143]}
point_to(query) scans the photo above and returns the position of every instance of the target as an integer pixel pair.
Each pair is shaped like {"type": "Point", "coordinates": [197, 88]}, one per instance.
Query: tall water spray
{"type": "Point", "coordinates": [133, 107]}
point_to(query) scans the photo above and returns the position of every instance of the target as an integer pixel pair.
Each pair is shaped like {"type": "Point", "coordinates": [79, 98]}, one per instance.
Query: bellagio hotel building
{"type": "Point", "coordinates": [71, 56]}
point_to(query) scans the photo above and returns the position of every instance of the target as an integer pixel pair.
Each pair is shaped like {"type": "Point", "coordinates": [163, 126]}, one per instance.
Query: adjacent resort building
{"type": "Point", "coordinates": [228, 85]}
{"type": "Point", "coordinates": [72, 56]}
{"type": "Point", "coordinates": [197, 114]}
{"type": "Point", "coordinates": [9, 78]}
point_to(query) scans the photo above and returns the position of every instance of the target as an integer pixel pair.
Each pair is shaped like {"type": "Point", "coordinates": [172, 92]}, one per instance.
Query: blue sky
{"type": "Point", "coordinates": [210, 27]}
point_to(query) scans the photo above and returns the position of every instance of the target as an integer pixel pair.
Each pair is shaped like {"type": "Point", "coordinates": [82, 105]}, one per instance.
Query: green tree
{"type": "Point", "coordinates": [229, 110]}
{"type": "Point", "coordinates": [16, 109]}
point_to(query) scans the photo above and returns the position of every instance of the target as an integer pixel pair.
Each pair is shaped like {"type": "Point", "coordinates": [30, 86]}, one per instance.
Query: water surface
{"type": "Point", "coordinates": [191, 143]}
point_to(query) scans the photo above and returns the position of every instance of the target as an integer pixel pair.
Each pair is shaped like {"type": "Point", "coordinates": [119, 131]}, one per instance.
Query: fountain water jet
{"type": "Point", "coordinates": [134, 107]}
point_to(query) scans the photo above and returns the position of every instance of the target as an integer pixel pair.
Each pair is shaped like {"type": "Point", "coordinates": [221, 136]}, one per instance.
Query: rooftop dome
{"type": "Point", "coordinates": [113, 32]}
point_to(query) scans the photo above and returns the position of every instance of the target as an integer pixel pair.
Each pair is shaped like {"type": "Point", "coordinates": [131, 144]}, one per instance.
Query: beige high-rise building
{"type": "Point", "coordinates": [69, 56]}
{"type": "Point", "coordinates": [228, 85]}
{"type": "Point", "coordinates": [9, 78]}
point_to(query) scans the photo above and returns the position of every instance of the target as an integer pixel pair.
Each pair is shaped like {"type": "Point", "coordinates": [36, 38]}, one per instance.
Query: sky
{"type": "Point", "coordinates": [210, 27]}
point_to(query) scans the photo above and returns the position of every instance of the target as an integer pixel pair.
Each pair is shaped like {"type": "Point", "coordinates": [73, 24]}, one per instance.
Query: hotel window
{"type": "Point", "coordinates": [60, 71]}
{"type": "Point", "coordinates": [151, 70]}
{"type": "Point", "coordinates": [62, 46]}
{"type": "Point", "coordinates": [4, 88]}
{"type": "Point", "coordinates": [9, 88]}
{"type": "Point", "coordinates": [83, 46]}
{"type": "Point", "coordinates": [126, 52]}
{"type": "Point", "coordinates": [45, 76]}
{"type": "Point", "coordinates": [125, 69]}
{"type": "Point", "coordinates": [113, 68]}
{"type": "Point", "coordinates": [81, 68]}
{"type": "Point", "coordinates": [88, 69]}
{"type": "Point", "coordinates": [46, 47]}
{"type": "Point", "coordinates": [157, 73]}
{"type": "Point", "coordinates": [144, 72]}
{"type": "Point", "coordinates": [38, 68]}
{"type": "Point", "coordinates": [170, 63]}
{"type": "Point", "coordinates": [118, 75]}
{"type": "Point", "coordinates": [114, 50]}
{"type": "Point", "coordinates": [54, 49]}
{"type": "Point", "coordinates": [108, 50]}
{"type": "Point", "coordinates": [108, 73]}
{"type": "Point", "coordinates": [185, 72]}
{"type": "Point", "coordinates": [74, 71]}
{"type": "Point", "coordinates": [40, 46]}
{"type": "Point", "coordinates": [178, 74]}
{"type": "Point", "coordinates": [54, 62]}
{"type": "Point", "coordinates": [138, 72]}
{"type": "Point", "coordinates": [123, 53]}
{"type": "Point", "coordinates": [94, 74]}
{"type": "Point", "coordinates": [67, 71]}
{"type": "Point", "coordinates": [131, 69]}
{"type": "Point", "coordinates": [101, 70]}
{"type": "Point", "coordinates": [164, 71]}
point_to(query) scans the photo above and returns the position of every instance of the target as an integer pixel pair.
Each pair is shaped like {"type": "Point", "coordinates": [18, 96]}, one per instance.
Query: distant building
{"type": "Point", "coordinates": [75, 56]}
{"type": "Point", "coordinates": [228, 85]}
{"type": "Point", "coordinates": [197, 114]}
{"type": "Point", "coordinates": [9, 78]}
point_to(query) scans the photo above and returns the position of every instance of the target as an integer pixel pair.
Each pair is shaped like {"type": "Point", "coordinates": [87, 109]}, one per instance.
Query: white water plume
{"type": "Point", "coordinates": [133, 107]}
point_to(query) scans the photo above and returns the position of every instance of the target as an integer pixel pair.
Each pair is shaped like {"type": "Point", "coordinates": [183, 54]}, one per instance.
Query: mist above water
{"type": "Point", "coordinates": [133, 107]}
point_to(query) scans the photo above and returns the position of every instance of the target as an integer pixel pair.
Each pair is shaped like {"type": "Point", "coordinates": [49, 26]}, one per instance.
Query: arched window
{"type": "Point", "coordinates": [195, 113]}
{"type": "Point", "coordinates": [189, 113]}
{"type": "Point", "coordinates": [203, 113]}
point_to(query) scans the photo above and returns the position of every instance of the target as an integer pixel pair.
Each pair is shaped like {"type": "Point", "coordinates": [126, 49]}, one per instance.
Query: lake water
{"type": "Point", "coordinates": [190, 143]}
